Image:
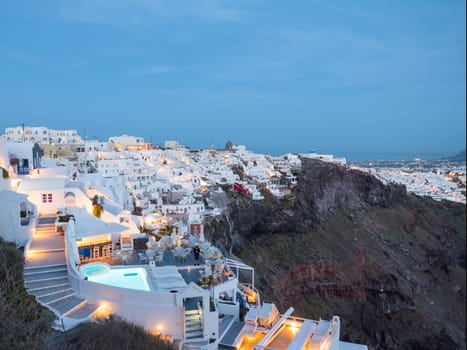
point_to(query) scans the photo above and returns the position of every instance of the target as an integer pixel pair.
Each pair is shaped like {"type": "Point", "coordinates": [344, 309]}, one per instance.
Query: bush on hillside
{"type": "Point", "coordinates": [23, 322]}
{"type": "Point", "coordinates": [112, 333]}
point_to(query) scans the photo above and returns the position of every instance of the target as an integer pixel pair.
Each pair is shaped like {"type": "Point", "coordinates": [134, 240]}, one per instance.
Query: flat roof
{"type": "Point", "coordinates": [13, 196]}
{"type": "Point", "coordinates": [46, 183]}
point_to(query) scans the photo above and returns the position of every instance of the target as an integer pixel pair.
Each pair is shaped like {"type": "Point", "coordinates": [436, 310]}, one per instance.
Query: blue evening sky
{"type": "Point", "coordinates": [343, 77]}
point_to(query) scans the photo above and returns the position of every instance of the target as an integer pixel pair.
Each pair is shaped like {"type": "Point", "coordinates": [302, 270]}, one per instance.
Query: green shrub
{"type": "Point", "coordinates": [23, 322]}
{"type": "Point", "coordinates": [114, 333]}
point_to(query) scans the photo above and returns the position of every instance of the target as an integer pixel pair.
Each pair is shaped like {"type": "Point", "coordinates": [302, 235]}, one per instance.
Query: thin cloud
{"type": "Point", "coordinates": [19, 56]}
{"type": "Point", "coordinates": [143, 12]}
{"type": "Point", "coordinates": [331, 38]}
{"type": "Point", "coordinates": [157, 69]}
{"type": "Point", "coordinates": [213, 10]}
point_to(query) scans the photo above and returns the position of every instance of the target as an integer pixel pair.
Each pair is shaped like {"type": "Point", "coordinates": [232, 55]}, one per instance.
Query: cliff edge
{"type": "Point", "coordinates": [392, 265]}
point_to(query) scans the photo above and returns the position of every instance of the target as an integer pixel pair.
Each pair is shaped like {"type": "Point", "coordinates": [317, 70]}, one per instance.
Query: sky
{"type": "Point", "coordinates": [343, 77]}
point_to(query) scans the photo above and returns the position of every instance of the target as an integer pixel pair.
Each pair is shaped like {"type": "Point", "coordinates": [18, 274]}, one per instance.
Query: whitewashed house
{"type": "Point", "coordinates": [51, 194]}
{"type": "Point", "coordinates": [24, 156]}
{"type": "Point", "coordinates": [16, 217]}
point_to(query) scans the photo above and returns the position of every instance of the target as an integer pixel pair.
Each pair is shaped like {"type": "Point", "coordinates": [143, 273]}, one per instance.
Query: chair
{"type": "Point", "coordinates": [150, 254]}
{"type": "Point", "coordinates": [183, 255]}
{"type": "Point", "coordinates": [95, 252]}
{"type": "Point", "coordinates": [104, 250]}
{"type": "Point", "coordinates": [159, 259]}
{"type": "Point", "coordinates": [142, 258]}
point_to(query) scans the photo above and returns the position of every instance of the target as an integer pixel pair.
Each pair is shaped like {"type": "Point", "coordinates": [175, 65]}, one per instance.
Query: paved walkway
{"type": "Point", "coordinates": [47, 248]}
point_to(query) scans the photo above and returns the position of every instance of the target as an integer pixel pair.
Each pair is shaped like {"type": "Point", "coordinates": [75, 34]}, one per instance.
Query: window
{"type": "Point", "coordinates": [47, 198]}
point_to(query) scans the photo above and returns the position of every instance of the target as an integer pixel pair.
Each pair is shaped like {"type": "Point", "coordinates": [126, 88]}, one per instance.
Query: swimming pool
{"type": "Point", "coordinates": [132, 278]}
{"type": "Point", "coordinates": [92, 269]}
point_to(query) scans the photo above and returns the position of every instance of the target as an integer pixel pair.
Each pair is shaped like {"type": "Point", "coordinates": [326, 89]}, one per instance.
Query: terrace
{"type": "Point", "coordinates": [209, 270]}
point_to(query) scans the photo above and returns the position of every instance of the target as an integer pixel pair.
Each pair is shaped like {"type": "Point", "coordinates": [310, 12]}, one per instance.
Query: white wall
{"type": "Point", "coordinates": [58, 200]}
{"type": "Point", "coordinates": [10, 224]}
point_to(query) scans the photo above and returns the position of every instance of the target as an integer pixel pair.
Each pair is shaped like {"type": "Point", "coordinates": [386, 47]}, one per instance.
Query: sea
{"type": "Point", "coordinates": [390, 156]}
{"type": "Point", "coordinates": [380, 156]}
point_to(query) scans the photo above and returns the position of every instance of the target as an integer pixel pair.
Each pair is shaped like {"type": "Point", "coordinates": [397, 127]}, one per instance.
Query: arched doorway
{"type": "Point", "coordinates": [70, 199]}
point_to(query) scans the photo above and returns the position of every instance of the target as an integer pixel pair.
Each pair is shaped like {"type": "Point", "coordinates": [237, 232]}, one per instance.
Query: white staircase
{"type": "Point", "coordinates": [193, 325]}
{"type": "Point", "coordinates": [49, 283]}
{"type": "Point", "coordinates": [50, 286]}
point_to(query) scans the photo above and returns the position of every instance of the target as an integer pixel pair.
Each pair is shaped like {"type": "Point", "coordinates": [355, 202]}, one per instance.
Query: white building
{"type": "Point", "coordinates": [24, 156]}
{"type": "Point", "coordinates": [16, 217]}
{"type": "Point", "coordinates": [172, 144]}
{"type": "Point", "coordinates": [51, 194]}
{"type": "Point", "coordinates": [41, 135]}
{"type": "Point", "coordinates": [121, 143]}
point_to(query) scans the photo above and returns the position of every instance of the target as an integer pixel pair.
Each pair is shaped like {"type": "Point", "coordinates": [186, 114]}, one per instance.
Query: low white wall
{"type": "Point", "coordinates": [228, 308]}
{"type": "Point", "coordinates": [211, 325]}
{"type": "Point", "coordinates": [149, 309]}
{"type": "Point", "coordinates": [152, 310]}
{"type": "Point", "coordinates": [11, 230]}
{"type": "Point", "coordinates": [228, 287]}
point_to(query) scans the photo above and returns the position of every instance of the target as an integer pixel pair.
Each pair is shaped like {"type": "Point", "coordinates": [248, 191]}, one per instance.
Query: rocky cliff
{"type": "Point", "coordinates": [392, 265]}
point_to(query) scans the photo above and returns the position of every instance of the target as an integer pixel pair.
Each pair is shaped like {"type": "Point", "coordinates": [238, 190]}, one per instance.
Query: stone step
{"type": "Point", "coordinates": [48, 225]}
{"type": "Point", "coordinates": [45, 220]}
{"type": "Point", "coordinates": [47, 251]}
{"type": "Point", "coordinates": [86, 310]}
{"type": "Point", "coordinates": [56, 296]}
{"type": "Point", "coordinates": [45, 232]}
{"type": "Point", "coordinates": [192, 317]}
{"type": "Point", "coordinates": [45, 276]}
{"type": "Point", "coordinates": [43, 236]}
{"type": "Point", "coordinates": [192, 312]}
{"type": "Point", "coordinates": [197, 334]}
{"type": "Point", "coordinates": [43, 292]}
{"type": "Point", "coordinates": [192, 329]}
{"type": "Point", "coordinates": [42, 228]}
{"type": "Point", "coordinates": [33, 286]}
{"type": "Point", "coordinates": [44, 269]}
{"type": "Point", "coordinates": [194, 323]}
{"type": "Point", "coordinates": [66, 304]}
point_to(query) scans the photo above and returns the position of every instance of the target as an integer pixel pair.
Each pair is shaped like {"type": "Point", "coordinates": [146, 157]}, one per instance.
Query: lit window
{"type": "Point", "coordinates": [47, 198]}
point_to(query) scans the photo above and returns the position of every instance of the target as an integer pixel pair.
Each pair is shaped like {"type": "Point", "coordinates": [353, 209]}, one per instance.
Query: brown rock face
{"type": "Point", "coordinates": [391, 265]}
{"type": "Point", "coordinates": [322, 279]}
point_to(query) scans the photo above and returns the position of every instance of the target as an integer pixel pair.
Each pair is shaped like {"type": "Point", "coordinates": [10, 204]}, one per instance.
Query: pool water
{"type": "Point", "coordinates": [132, 278]}
{"type": "Point", "coordinates": [94, 269]}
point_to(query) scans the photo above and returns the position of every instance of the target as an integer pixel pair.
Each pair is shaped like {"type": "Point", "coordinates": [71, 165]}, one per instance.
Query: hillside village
{"type": "Point", "coordinates": [173, 177]}
{"type": "Point", "coordinates": [126, 201]}
{"type": "Point", "coordinates": [117, 228]}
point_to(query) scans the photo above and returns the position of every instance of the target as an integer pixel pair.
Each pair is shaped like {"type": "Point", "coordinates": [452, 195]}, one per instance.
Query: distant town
{"type": "Point", "coordinates": [441, 179]}
{"type": "Point", "coordinates": [149, 170]}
